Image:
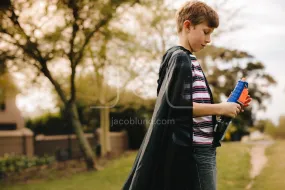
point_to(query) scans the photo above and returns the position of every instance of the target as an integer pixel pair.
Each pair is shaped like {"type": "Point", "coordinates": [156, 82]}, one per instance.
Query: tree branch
{"type": "Point", "coordinates": [106, 19]}
{"type": "Point", "coordinates": [47, 73]}
{"type": "Point", "coordinates": [72, 4]}
{"type": "Point", "coordinates": [32, 45]}
{"type": "Point", "coordinates": [78, 56]}
{"type": "Point", "coordinates": [89, 36]}
{"type": "Point", "coordinates": [30, 48]}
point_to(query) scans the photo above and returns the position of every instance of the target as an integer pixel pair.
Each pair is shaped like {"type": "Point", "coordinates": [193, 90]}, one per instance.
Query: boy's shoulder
{"type": "Point", "coordinates": [177, 52]}
{"type": "Point", "coordinates": [178, 57]}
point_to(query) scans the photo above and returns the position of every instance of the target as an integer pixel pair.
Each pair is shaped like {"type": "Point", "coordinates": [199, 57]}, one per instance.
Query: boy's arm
{"type": "Point", "coordinates": [200, 110]}
{"type": "Point", "coordinates": [226, 108]}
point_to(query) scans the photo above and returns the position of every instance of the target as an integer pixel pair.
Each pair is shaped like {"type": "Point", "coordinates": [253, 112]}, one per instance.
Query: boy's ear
{"type": "Point", "coordinates": [187, 25]}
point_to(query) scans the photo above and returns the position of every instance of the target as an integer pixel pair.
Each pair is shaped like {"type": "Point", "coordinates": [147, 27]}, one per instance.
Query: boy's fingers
{"type": "Point", "coordinates": [237, 111]}
{"type": "Point", "coordinates": [248, 100]}
{"type": "Point", "coordinates": [238, 106]}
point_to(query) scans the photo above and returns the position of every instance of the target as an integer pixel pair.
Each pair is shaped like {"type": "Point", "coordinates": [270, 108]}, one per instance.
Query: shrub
{"type": "Point", "coordinates": [49, 124]}
{"type": "Point", "coordinates": [17, 163]}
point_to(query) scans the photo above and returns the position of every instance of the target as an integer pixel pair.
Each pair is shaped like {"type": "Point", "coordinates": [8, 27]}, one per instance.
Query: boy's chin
{"type": "Point", "coordinates": [198, 49]}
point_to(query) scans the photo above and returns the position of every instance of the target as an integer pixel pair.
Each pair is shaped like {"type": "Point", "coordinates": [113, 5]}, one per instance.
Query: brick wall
{"type": "Point", "coordinates": [50, 144]}
{"type": "Point", "coordinates": [18, 142]}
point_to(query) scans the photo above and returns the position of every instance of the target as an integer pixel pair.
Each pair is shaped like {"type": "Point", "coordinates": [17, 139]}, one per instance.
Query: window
{"type": "Point", "coordinates": [8, 126]}
{"type": "Point", "coordinates": [2, 100]}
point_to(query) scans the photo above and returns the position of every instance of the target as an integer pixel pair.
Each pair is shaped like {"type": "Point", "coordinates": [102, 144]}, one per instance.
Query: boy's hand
{"type": "Point", "coordinates": [230, 109]}
{"type": "Point", "coordinates": [247, 102]}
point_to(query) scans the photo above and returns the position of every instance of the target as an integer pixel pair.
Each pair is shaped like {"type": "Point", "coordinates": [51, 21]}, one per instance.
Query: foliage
{"type": "Point", "coordinates": [224, 67]}
{"type": "Point", "coordinates": [280, 130]}
{"type": "Point", "coordinates": [36, 34]}
{"type": "Point", "coordinates": [266, 126]}
{"type": "Point", "coordinates": [54, 124]}
{"type": "Point", "coordinates": [49, 124]}
{"type": "Point", "coordinates": [277, 132]}
{"type": "Point", "coordinates": [17, 163]}
{"type": "Point", "coordinates": [134, 122]}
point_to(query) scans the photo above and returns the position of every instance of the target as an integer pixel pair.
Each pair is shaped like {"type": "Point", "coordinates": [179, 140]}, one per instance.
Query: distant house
{"type": "Point", "coordinates": [14, 137]}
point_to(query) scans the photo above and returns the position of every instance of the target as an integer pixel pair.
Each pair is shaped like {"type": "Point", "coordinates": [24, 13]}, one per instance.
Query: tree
{"type": "Point", "coordinates": [280, 130]}
{"type": "Point", "coordinates": [153, 30]}
{"type": "Point", "coordinates": [89, 98]}
{"type": "Point", "coordinates": [222, 66]}
{"type": "Point", "coordinates": [31, 39]}
{"type": "Point", "coordinates": [266, 126]}
{"type": "Point", "coordinates": [109, 58]}
{"type": "Point", "coordinates": [122, 49]}
{"type": "Point", "coordinates": [271, 129]}
{"type": "Point", "coordinates": [226, 68]}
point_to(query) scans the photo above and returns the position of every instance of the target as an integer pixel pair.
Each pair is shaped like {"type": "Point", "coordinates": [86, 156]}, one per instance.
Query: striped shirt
{"type": "Point", "coordinates": [202, 126]}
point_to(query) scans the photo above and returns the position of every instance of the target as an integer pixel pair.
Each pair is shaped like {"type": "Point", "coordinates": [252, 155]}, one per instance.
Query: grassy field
{"type": "Point", "coordinates": [272, 176]}
{"type": "Point", "coordinates": [233, 163]}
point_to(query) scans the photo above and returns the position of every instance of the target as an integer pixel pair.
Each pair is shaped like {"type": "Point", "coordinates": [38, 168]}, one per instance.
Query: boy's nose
{"type": "Point", "coordinates": [208, 40]}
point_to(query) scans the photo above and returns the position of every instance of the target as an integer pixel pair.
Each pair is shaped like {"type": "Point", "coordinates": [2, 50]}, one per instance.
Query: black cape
{"type": "Point", "coordinates": [164, 158]}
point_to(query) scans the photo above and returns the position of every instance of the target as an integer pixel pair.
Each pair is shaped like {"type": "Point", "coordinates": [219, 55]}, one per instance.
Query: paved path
{"type": "Point", "coordinates": [258, 159]}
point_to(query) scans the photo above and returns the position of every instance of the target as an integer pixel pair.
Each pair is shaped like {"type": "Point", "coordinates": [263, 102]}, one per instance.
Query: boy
{"type": "Point", "coordinates": [180, 155]}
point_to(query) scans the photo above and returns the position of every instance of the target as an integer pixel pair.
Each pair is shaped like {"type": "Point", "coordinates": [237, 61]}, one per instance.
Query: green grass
{"type": "Point", "coordinates": [272, 176]}
{"type": "Point", "coordinates": [232, 161]}
{"type": "Point", "coordinates": [233, 166]}
{"type": "Point", "coordinates": [110, 178]}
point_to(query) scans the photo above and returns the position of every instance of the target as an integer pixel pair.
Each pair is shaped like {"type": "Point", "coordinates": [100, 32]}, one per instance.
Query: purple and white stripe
{"type": "Point", "coordinates": [202, 126]}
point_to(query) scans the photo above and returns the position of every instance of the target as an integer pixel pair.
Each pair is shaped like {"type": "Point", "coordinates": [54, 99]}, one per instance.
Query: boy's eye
{"type": "Point", "coordinates": [205, 32]}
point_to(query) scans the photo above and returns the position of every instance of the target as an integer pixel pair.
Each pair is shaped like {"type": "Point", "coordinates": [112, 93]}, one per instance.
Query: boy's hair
{"type": "Point", "coordinates": [196, 12]}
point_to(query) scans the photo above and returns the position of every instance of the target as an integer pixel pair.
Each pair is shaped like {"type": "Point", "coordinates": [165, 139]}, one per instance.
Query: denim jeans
{"type": "Point", "coordinates": [205, 171]}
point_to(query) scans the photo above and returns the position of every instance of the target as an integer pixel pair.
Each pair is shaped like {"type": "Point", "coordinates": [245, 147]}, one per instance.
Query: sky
{"type": "Point", "coordinates": [262, 35]}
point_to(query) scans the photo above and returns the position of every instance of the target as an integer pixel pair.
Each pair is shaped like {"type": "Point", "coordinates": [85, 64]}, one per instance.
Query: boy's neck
{"type": "Point", "coordinates": [184, 42]}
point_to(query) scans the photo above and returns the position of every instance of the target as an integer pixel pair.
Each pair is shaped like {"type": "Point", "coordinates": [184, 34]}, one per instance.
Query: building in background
{"type": "Point", "coordinates": [14, 137]}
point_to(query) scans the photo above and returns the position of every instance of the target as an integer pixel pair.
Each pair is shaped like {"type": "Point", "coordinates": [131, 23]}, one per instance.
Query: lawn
{"type": "Point", "coordinates": [272, 176]}
{"type": "Point", "coordinates": [233, 163]}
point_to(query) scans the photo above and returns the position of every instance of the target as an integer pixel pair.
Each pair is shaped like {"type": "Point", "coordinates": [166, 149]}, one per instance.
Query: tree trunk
{"type": "Point", "coordinates": [107, 129]}
{"type": "Point", "coordinates": [104, 136]}
{"type": "Point", "coordinates": [83, 142]}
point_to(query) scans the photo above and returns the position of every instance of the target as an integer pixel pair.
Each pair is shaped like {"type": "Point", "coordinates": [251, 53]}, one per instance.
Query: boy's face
{"type": "Point", "coordinates": [198, 36]}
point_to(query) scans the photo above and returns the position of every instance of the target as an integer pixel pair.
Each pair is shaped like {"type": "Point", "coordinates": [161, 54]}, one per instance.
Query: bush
{"type": "Point", "coordinates": [277, 132]}
{"type": "Point", "coordinates": [17, 163]}
{"type": "Point", "coordinates": [56, 124]}
{"type": "Point", "coordinates": [136, 131]}
{"type": "Point", "coordinates": [49, 124]}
